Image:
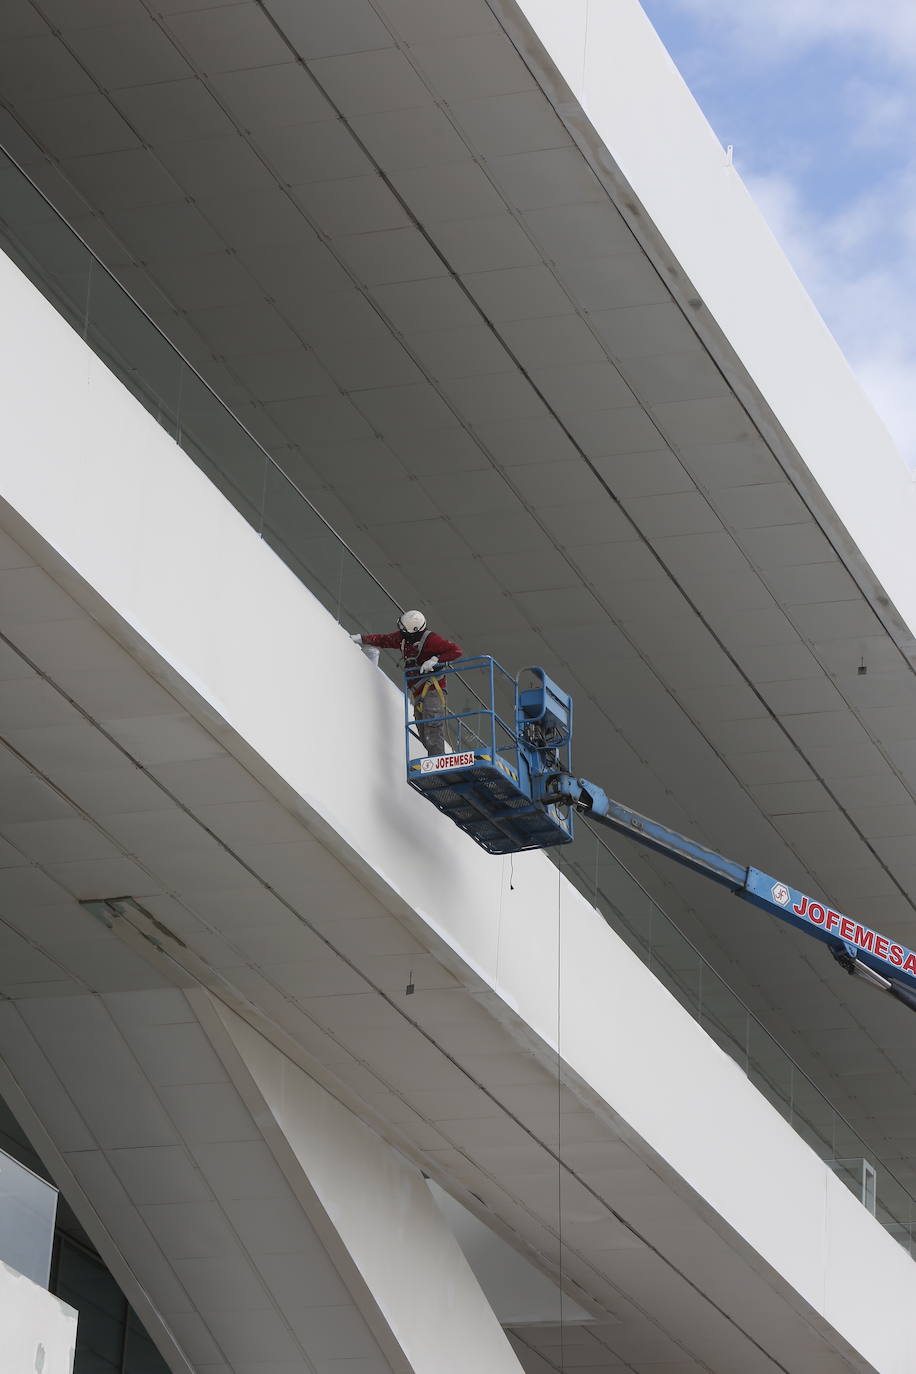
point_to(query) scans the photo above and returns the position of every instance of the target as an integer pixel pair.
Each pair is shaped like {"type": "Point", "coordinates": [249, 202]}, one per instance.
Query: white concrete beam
{"type": "Point", "coordinates": [372, 1209]}
{"type": "Point", "coordinates": [245, 645]}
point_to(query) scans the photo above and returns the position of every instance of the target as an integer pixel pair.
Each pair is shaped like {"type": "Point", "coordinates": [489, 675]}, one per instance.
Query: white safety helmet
{"type": "Point", "coordinates": [412, 624]}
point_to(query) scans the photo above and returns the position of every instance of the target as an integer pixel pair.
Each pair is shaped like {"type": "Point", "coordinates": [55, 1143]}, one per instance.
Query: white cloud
{"type": "Point", "coordinates": [878, 114]}
{"type": "Point", "coordinates": [866, 296]}
{"type": "Point", "coordinates": [838, 192]}
{"type": "Point", "coordinates": [889, 379]}
{"type": "Point", "coordinates": [765, 26]}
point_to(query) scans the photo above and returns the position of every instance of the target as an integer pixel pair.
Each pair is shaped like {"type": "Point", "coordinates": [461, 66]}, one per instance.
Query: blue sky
{"type": "Point", "coordinates": [818, 98]}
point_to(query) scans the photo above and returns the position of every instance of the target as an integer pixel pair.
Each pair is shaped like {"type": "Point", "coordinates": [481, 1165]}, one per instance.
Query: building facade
{"type": "Point", "coordinates": [312, 313]}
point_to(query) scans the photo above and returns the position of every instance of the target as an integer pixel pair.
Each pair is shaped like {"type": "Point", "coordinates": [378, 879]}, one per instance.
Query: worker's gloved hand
{"type": "Point", "coordinates": [357, 639]}
{"type": "Point", "coordinates": [429, 665]}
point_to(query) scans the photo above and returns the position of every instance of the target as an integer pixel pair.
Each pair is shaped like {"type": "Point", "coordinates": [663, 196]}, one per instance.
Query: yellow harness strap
{"type": "Point", "coordinates": [433, 682]}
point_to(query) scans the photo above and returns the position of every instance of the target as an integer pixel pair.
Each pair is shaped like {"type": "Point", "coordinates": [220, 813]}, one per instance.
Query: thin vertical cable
{"type": "Point", "coordinates": [700, 992]}
{"type": "Point", "coordinates": [499, 918]}
{"type": "Point", "coordinates": [560, 1115]}
{"type": "Point", "coordinates": [88, 306]}
{"type": "Point", "coordinates": [262, 513]}
{"type": "Point", "coordinates": [179, 400]}
{"type": "Point", "coordinates": [340, 585]}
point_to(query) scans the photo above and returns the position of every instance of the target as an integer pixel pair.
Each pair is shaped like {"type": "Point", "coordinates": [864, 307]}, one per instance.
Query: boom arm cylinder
{"type": "Point", "coordinates": [884, 963]}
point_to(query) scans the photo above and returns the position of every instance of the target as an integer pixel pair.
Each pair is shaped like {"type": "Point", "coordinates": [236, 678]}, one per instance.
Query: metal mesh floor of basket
{"type": "Point", "coordinates": [485, 801]}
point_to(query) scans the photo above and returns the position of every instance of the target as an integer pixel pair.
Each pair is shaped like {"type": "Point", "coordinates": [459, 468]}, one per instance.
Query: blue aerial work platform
{"type": "Point", "coordinates": [508, 783]}
{"type": "Point", "coordinates": [498, 736]}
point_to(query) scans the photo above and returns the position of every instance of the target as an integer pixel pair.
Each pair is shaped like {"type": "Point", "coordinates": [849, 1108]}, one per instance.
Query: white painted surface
{"type": "Point", "coordinates": [637, 102]}
{"type": "Point", "coordinates": [37, 1330]}
{"type": "Point", "coordinates": [380, 1209]}
{"type": "Point", "coordinates": [518, 1293]}
{"type": "Point", "coordinates": [682, 468]}
{"type": "Point", "coordinates": [103, 485]}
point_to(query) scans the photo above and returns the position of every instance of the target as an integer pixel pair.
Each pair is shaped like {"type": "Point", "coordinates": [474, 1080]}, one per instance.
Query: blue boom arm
{"type": "Point", "coordinates": [883, 963]}
{"type": "Point", "coordinates": [514, 789]}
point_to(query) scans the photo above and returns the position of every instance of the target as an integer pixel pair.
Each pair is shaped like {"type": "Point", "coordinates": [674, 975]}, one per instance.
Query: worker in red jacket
{"type": "Point", "coordinates": [421, 650]}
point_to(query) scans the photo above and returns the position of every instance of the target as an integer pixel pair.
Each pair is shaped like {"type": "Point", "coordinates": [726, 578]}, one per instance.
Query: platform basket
{"type": "Point", "coordinates": [482, 784]}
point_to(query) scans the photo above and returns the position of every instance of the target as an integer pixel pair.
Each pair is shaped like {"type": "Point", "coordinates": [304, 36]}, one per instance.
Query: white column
{"type": "Point", "coordinates": [371, 1208]}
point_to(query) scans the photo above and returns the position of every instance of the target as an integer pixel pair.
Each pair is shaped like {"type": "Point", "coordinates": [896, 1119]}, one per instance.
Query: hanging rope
{"type": "Point", "coordinates": [560, 1115]}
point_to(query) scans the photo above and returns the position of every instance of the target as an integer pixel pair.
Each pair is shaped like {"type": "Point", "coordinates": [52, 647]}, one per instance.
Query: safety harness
{"type": "Point", "coordinates": [432, 680]}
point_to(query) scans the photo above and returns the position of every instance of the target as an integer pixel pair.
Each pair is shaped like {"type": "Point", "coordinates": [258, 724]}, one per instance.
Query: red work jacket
{"type": "Point", "coordinates": [429, 645]}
